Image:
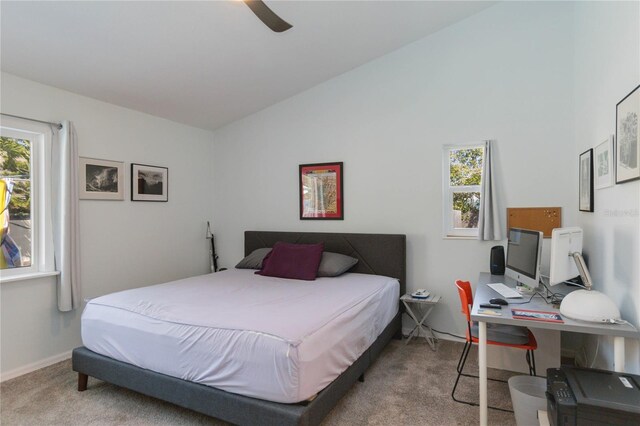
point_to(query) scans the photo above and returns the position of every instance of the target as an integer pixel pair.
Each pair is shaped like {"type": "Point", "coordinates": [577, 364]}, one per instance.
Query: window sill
{"type": "Point", "coordinates": [28, 276]}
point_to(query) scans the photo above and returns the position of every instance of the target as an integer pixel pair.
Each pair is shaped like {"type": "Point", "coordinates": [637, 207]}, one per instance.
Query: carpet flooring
{"type": "Point", "coordinates": [408, 385]}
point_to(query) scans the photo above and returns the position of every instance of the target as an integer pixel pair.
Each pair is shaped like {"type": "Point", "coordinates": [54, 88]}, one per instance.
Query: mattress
{"type": "Point", "coordinates": [276, 339]}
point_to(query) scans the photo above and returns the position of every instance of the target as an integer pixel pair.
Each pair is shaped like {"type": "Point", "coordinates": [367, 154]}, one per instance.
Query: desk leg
{"type": "Point", "coordinates": [618, 354]}
{"type": "Point", "coordinates": [482, 361]}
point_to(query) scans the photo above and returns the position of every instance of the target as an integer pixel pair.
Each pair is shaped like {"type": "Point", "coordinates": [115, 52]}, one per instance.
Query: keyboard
{"type": "Point", "coordinates": [506, 292]}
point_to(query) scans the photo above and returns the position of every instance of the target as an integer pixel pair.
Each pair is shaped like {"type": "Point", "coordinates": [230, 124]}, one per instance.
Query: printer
{"type": "Point", "coordinates": [586, 396]}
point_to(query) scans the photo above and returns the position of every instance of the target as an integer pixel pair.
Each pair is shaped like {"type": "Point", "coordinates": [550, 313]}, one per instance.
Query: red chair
{"type": "Point", "coordinates": [497, 334]}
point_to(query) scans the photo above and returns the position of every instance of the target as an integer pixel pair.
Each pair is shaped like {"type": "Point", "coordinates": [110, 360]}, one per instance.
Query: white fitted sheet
{"type": "Point", "coordinates": [270, 338]}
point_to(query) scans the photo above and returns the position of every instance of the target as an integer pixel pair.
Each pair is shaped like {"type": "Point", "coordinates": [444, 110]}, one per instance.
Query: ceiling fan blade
{"type": "Point", "coordinates": [268, 16]}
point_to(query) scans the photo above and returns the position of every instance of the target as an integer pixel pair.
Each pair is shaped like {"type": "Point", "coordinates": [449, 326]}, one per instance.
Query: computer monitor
{"type": "Point", "coordinates": [567, 262]}
{"type": "Point", "coordinates": [524, 252]}
{"type": "Point", "coordinates": [562, 265]}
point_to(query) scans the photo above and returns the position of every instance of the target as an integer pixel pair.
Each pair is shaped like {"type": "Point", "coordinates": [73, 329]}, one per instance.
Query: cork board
{"type": "Point", "coordinates": [543, 219]}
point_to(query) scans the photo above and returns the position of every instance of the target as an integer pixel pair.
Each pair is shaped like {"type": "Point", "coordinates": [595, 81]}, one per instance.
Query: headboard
{"type": "Point", "coordinates": [378, 254]}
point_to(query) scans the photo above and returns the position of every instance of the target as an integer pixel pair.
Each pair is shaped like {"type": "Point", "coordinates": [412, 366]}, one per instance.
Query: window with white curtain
{"type": "Point", "coordinates": [462, 176]}
{"type": "Point", "coordinates": [25, 221]}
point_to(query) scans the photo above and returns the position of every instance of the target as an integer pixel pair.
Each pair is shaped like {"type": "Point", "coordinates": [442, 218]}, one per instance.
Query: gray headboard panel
{"type": "Point", "coordinates": [378, 254]}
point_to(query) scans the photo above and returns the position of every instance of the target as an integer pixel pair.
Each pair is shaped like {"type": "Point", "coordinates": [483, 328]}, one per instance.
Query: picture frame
{"type": "Point", "coordinates": [321, 191]}
{"type": "Point", "coordinates": [628, 137]}
{"type": "Point", "coordinates": [585, 181]}
{"type": "Point", "coordinates": [149, 183]}
{"type": "Point", "coordinates": [603, 164]}
{"type": "Point", "coordinates": [101, 179]}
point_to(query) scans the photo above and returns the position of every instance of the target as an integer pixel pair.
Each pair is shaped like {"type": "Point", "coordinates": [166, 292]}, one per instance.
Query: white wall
{"type": "Point", "coordinates": [504, 74]}
{"type": "Point", "coordinates": [607, 64]}
{"type": "Point", "coordinates": [124, 244]}
{"type": "Point", "coordinates": [540, 78]}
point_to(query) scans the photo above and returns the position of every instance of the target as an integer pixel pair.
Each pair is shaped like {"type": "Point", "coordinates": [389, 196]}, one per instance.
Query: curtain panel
{"type": "Point", "coordinates": [489, 228]}
{"type": "Point", "coordinates": [66, 235]}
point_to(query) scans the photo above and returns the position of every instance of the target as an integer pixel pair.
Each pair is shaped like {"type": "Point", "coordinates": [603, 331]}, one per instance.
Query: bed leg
{"type": "Point", "coordinates": [361, 378]}
{"type": "Point", "coordinates": [82, 382]}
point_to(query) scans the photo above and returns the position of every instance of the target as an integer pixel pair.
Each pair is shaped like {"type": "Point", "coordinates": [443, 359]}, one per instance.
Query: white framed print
{"type": "Point", "coordinates": [149, 183]}
{"type": "Point", "coordinates": [603, 154]}
{"type": "Point", "coordinates": [628, 137]}
{"type": "Point", "coordinates": [101, 179]}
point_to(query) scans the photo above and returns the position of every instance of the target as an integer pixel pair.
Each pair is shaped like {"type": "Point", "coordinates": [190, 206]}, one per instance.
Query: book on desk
{"type": "Point", "coordinates": [533, 315]}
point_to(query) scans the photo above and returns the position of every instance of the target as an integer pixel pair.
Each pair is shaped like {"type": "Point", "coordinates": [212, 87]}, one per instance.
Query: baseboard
{"type": "Point", "coordinates": [16, 372]}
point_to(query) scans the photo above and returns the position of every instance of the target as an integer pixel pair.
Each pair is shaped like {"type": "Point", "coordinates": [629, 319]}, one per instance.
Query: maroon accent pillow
{"type": "Point", "coordinates": [296, 261]}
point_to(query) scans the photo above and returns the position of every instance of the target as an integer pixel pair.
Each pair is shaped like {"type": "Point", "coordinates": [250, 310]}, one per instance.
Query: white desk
{"type": "Point", "coordinates": [484, 293]}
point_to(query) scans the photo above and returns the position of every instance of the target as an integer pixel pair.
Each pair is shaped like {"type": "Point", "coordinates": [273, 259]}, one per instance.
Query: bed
{"type": "Point", "coordinates": [293, 381]}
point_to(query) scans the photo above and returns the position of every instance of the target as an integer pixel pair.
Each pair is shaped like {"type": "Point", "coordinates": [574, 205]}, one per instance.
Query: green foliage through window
{"type": "Point", "coordinates": [465, 166]}
{"type": "Point", "coordinates": [15, 164]}
{"type": "Point", "coordinates": [465, 175]}
{"type": "Point", "coordinates": [468, 204]}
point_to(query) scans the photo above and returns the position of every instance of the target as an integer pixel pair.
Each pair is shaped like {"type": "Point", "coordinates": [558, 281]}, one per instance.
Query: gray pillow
{"type": "Point", "coordinates": [254, 260]}
{"type": "Point", "coordinates": [335, 264]}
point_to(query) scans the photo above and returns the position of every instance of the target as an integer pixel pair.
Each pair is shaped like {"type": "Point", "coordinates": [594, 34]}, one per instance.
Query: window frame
{"type": "Point", "coordinates": [40, 136]}
{"type": "Point", "coordinates": [448, 230]}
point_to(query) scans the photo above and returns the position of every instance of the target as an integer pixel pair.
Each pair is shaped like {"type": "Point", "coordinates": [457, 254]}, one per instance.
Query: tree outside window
{"type": "Point", "coordinates": [15, 202]}
{"type": "Point", "coordinates": [462, 179]}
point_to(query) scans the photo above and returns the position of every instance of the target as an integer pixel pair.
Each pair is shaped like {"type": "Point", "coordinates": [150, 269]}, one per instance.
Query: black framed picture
{"type": "Point", "coordinates": [585, 181]}
{"type": "Point", "coordinates": [321, 196]}
{"type": "Point", "coordinates": [628, 137]}
{"type": "Point", "coordinates": [101, 179]}
{"type": "Point", "coordinates": [149, 183]}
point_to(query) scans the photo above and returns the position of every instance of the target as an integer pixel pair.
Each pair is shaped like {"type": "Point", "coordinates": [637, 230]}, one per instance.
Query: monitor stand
{"type": "Point", "coordinates": [588, 305]}
{"type": "Point", "coordinates": [525, 289]}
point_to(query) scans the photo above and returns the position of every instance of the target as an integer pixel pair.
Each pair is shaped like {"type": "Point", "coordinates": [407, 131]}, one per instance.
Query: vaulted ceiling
{"type": "Point", "coordinates": [206, 63]}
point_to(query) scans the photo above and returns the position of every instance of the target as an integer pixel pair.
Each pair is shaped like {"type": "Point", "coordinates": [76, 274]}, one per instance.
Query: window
{"type": "Point", "coordinates": [462, 166]}
{"type": "Point", "coordinates": [25, 246]}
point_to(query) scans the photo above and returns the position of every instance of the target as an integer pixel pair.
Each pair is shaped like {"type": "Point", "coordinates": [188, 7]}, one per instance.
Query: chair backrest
{"type": "Point", "coordinates": [466, 297]}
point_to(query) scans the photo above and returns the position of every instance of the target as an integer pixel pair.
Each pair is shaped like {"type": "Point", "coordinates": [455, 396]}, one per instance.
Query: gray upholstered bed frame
{"type": "Point", "coordinates": [380, 254]}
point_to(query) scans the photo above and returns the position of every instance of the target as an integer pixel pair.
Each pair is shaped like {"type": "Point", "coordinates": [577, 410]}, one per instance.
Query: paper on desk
{"type": "Point", "coordinates": [489, 312]}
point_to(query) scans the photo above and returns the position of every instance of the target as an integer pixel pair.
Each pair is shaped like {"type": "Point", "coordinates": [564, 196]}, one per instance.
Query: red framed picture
{"type": "Point", "coordinates": [321, 191]}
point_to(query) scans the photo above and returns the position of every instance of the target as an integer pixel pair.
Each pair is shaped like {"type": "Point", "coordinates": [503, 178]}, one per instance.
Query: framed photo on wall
{"type": "Point", "coordinates": [628, 137]}
{"type": "Point", "coordinates": [101, 179]}
{"type": "Point", "coordinates": [585, 180]}
{"type": "Point", "coordinates": [321, 196]}
{"type": "Point", "coordinates": [149, 183]}
{"type": "Point", "coordinates": [603, 157]}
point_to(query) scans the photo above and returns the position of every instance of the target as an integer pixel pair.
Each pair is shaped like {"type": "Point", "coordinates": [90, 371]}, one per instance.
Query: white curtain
{"type": "Point", "coordinates": [489, 228]}
{"type": "Point", "coordinates": [66, 236]}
